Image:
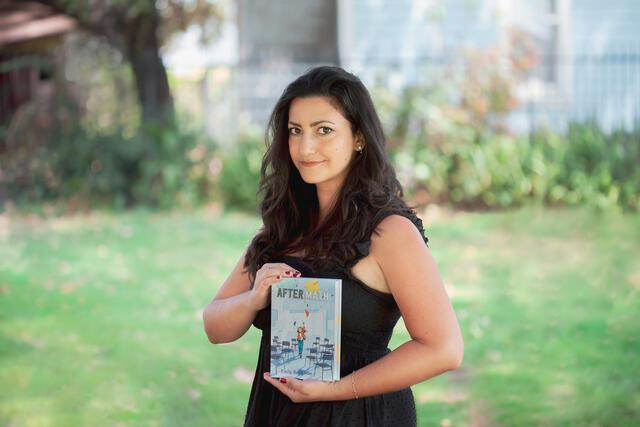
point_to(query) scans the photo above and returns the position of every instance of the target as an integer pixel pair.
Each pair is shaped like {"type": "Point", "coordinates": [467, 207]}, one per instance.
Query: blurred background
{"type": "Point", "coordinates": [131, 138]}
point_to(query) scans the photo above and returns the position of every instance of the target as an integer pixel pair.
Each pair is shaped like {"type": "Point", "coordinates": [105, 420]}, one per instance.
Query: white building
{"type": "Point", "coordinates": [589, 51]}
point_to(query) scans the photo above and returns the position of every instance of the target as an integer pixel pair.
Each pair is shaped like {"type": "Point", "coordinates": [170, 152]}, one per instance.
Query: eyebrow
{"type": "Point", "coordinates": [314, 123]}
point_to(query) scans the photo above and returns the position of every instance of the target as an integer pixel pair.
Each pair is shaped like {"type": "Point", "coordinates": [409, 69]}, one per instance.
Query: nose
{"type": "Point", "coordinates": [307, 144]}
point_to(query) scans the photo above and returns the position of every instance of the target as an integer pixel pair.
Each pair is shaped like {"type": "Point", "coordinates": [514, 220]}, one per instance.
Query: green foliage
{"type": "Point", "coordinates": [449, 142]}
{"type": "Point", "coordinates": [587, 166]}
{"type": "Point", "coordinates": [602, 169]}
{"type": "Point", "coordinates": [240, 175]}
{"type": "Point", "coordinates": [83, 160]}
{"type": "Point", "coordinates": [157, 166]}
{"type": "Point", "coordinates": [175, 165]}
{"type": "Point", "coordinates": [441, 149]}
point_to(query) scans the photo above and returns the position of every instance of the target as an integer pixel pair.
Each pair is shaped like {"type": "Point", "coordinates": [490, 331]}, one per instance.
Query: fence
{"type": "Point", "coordinates": [224, 99]}
{"type": "Point", "coordinates": [605, 88]}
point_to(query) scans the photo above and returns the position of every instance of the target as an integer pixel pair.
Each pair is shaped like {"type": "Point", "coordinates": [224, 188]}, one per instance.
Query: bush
{"type": "Point", "coordinates": [176, 165]}
{"type": "Point", "coordinates": [439, 149]}
{"type": "Point", "coordinates": [158, 166]}
{"type": "Point", "coordinates": [240, 175]}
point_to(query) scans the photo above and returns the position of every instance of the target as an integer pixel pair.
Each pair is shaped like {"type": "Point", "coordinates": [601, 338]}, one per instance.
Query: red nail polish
{"type": "Point", "coordinates": [278, 277]}
{"type": "Point", "coordinates": [283, 380]}
{"type": "Point", "coordinates": [287, 273]}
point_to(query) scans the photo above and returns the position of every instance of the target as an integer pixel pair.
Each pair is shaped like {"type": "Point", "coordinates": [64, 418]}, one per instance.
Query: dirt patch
{"type": "Point", "coordinates": [634, 279]}
{"type": "Point", "coordinates": [478, 410]}
{"type": "Point", "coordinates": [478, 415]}
{"type": "Point", "coordinates": [243, 375]}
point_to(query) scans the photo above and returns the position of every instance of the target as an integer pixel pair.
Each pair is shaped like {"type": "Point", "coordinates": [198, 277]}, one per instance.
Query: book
{"type": "Point", "coordinates": [306, 318]}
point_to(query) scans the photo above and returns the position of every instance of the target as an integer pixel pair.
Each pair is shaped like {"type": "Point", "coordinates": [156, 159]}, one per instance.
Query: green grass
{"type": "Point", "coordinates": [100, 320]}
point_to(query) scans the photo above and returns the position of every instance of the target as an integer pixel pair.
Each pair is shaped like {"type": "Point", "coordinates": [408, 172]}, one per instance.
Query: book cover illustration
{"type": "Point", "coordinates": [305, 328]}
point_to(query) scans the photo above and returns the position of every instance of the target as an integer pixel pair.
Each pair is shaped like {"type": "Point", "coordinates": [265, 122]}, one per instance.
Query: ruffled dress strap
{"type": "Point", "coordinates": [413, 217]}
{"type": "Point", "coordinates": [364, 246]}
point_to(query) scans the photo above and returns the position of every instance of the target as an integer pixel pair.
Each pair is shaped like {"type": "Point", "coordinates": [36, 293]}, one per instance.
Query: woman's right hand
{"type": "Point", "coordinates": [266, 276]}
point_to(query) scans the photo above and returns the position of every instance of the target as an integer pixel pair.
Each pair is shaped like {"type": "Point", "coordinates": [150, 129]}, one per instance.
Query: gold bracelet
{"type": "Point", "coordinates": [353, 384]}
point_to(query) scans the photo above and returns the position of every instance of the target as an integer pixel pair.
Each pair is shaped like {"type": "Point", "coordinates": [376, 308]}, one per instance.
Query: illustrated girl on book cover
{"type": "Point", "coordinates": [301, 337]}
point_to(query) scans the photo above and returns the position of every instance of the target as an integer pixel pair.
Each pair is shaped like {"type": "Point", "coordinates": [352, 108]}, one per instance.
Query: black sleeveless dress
{"type": "Point", "coordinates": [368, 319]}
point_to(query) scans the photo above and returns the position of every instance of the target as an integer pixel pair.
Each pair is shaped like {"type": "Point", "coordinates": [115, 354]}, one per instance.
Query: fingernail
{"type": "Point", "coordinates": [278, 277]}
{"type": "Point", "coordinates": [297, 274]}
{"type": "Point", "coordinates": [287, 273]}
{"type": "Point", "coordinates": [283, 380]}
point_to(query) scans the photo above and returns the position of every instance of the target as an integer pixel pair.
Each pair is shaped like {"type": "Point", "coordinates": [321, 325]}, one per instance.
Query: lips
{"type": "Point", "coordinates": [311, 164]}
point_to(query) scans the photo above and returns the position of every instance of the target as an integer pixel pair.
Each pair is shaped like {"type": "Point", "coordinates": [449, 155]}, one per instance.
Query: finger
{"type": "Point", "coordinates": [272, 274]}
{"type": "Point", "coordinates": [268, 270]}
{"type": "Point", "coordinates": [277, 383]}
{"type": "Point", "coordinates": [289, 271]}
{"type": "Point", "coordinates": [287, 386]}
{"type": "Point", "coordinates": [271, 269]}
{"type": "Point", "coordinates": [278, 269]}
{"type": "Point", "coordinates": [269, 282]}
{"type": "Point", "coordinates": [268, 274]}
{"type": "Point", "coordinates": [292, 385]}
{"type": "Point", "coordinates": [281, 267]}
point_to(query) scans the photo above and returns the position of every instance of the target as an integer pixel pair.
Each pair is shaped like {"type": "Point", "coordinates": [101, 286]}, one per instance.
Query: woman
{"type": "Point", "coordinates": [331, 207]}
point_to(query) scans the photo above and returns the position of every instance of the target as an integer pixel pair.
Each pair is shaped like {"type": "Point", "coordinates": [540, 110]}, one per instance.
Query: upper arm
{"type": "Point", "coordinates": [412, 277]}
{"type": "Point", "coordinates": [237, 282]}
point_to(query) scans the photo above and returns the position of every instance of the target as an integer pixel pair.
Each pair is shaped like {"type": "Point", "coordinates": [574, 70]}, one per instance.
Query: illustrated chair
{"type": "Point", "coordinates": [276, 356]}
{"type": "Point", "coordinates": [312, 357]}
{"type": "Point", "coordinates": [287, 351]}
{"type": "Point", "coordinates": [276, 342]}
{"type": "Point", "coordinates": [326, 362]}
{"type": "Point", "coordinates": [325, 344]}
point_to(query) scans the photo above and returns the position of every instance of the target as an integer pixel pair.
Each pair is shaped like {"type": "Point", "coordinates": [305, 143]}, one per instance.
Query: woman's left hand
{"type": "Point", "coordinates": [303, 391]}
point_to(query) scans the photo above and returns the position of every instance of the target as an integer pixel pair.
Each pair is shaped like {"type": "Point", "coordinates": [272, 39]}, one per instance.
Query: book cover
{"type": "Point", "coordinates": [306, 316]}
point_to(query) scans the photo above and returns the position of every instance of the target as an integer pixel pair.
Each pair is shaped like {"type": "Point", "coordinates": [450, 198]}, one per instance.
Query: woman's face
{"type": "Point", "coordinates": [321, 143]}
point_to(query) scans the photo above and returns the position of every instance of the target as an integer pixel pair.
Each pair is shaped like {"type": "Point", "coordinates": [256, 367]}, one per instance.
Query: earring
{"type": "Point", "coordinates": [359, 148]}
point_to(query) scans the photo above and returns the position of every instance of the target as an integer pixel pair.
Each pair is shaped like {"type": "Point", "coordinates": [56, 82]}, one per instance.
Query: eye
{"type": "Point", "coordinates": [324, 130]}
{"type": "Point", "coordinates": [294, 131]}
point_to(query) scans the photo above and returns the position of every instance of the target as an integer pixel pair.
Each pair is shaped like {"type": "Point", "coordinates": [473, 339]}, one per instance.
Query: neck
{"type": "Point", "coordinates": [327, 195]}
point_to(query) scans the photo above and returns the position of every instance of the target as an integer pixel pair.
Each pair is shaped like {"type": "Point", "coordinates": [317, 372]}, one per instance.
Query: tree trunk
{"type": "Point", "coordinates": [137, 38]}
{"type": "Point", "coordinates": [152, 84]}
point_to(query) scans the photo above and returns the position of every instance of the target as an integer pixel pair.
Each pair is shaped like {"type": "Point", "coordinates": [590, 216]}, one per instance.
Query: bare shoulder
{"type": "Point", "coordinates": [396, 245]}
{"type": "Point", "coordinates": [396, 230]}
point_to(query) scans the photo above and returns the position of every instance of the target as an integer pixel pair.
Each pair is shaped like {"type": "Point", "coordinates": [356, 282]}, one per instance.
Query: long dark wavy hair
{"type": "Point", "coordinates": [289, 206]}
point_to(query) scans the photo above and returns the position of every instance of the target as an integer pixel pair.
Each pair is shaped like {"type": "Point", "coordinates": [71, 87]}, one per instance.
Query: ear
{"type": "Point", "coordinates": [359, 142]}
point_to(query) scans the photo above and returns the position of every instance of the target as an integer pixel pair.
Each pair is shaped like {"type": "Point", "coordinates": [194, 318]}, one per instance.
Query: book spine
{"type": "Point", "coordinates": [338, 330]}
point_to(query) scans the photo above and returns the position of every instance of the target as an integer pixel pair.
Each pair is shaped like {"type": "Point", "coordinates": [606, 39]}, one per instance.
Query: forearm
{"type": "Point", "coordinates": [226, 320]}
{"type": "Point", "coordinates": [409, 364]}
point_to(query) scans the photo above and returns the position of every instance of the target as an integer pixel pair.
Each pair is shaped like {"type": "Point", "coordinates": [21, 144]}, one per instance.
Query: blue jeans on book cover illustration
{"type": "Point", "coordinates": [300, 346]}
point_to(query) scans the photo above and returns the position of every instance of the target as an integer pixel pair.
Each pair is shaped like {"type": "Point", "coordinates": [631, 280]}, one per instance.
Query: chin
{"type": "Point", "coordinates": [311, 180]}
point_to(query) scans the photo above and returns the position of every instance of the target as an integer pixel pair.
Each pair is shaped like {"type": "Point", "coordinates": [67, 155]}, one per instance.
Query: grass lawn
{"type": "Point", "coordinates": [100, 320]}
